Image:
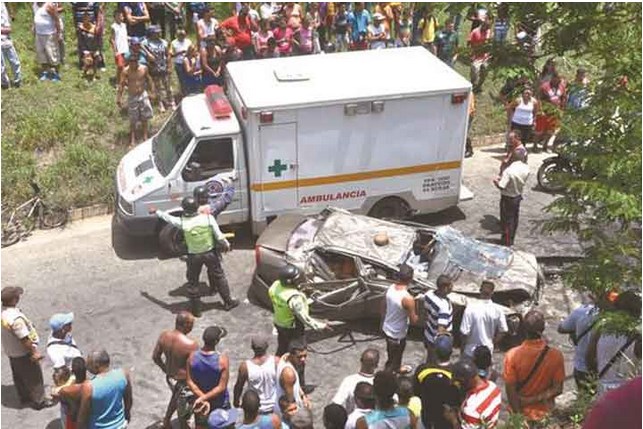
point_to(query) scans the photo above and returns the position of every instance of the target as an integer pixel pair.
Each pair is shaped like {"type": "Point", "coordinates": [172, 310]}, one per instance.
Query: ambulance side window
{"type": "Point", "coordinates": [214, 156]}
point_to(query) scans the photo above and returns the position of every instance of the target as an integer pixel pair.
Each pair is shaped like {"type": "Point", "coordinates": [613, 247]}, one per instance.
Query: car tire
{"type": "Point", "coordinates": [390, 208]}
{"type": "Point", "coordinates": [171, 241]}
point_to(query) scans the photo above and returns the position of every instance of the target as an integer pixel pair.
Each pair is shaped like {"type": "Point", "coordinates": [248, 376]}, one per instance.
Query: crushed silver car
{"type": "Point", "coordinates": [350, 260]}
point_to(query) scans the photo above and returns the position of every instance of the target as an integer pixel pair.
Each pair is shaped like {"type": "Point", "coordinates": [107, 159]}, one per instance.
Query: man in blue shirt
{"type": "Point", "coordinates": [359, 20]}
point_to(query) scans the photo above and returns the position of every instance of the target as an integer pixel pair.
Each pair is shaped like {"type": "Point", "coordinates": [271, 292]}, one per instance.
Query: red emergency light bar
{"type": "Point", "coordinates": [217, 102]}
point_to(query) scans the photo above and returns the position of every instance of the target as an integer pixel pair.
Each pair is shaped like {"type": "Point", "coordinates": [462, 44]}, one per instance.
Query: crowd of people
{"type": "Point", "coordinates": [270, 389]}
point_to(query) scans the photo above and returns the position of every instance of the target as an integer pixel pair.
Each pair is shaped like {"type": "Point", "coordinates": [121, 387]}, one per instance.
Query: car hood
{"type": "Point", "coordinates": [136, 173]}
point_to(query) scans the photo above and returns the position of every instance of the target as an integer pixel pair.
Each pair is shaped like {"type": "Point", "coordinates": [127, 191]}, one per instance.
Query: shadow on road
{"type": "Point", "coordinates": [10, 398]}
{"type": "Point", "coordinates": [491, 223]}
{"type": "Point", "coordinates": [444, 217]}
{"type": "Point", "coordinates": [493, 149]}
{"type": "Point", "coordinates": [177, 307]}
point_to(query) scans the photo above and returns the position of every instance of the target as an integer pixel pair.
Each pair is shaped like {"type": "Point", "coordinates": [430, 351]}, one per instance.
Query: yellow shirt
{"type": "Point", "coordinates": [428, 30]}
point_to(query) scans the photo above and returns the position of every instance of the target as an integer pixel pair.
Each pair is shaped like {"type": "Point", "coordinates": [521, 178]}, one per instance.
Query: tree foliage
{"type": "Point", "coordinates": [602, 204]}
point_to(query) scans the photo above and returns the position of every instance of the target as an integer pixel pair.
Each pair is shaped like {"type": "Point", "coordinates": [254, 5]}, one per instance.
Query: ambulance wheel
{"type": "Point", "coordinates": [171, 241]}
{"type": "Point", "coordinates": [390, 208]}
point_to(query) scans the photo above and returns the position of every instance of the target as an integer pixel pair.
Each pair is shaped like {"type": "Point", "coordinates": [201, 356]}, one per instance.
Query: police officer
{"type": "Point", "coordinates": [291, 312]}
{"type": "Point", "coordinates": [200, 232]}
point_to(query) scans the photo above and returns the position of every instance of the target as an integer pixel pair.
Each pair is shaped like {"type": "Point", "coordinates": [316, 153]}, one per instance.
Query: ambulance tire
{"type": "Point", "coordinates": [390, 208]}
{"type": "Point", "coordinates": [171, 241]}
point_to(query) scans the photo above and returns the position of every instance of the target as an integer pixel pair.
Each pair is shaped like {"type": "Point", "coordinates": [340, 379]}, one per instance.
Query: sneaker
{"type": "Point", "coordinates": [55, 77]}
{"type": "Point", "coordinates": [5, 86]}
{"type": "Point", "coordinates": [17, 84]}
{"type": "Point", "coordinates": [468, 154]}
{"type": "Point", "coordinates": [230, 304]}
{"type": "Point", "coordinates": [44, 76]}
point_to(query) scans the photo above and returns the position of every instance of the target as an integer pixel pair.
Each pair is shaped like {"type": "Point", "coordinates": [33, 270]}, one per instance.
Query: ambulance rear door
{"type": "Point", "coordinates": [278, 164]}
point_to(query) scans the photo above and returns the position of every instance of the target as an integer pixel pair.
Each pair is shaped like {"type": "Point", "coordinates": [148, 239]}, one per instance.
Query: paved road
{"type": "Point", "coordinates": [123, 296]}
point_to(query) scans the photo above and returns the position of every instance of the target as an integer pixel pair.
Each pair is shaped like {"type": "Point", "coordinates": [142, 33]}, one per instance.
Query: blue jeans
{"type": "Point", "coordinates": [9, 53]}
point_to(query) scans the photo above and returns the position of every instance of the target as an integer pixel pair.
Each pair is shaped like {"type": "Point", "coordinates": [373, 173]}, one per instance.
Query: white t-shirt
{"type": "Point", "coordinates": [345, 393]}
{"type": "Point", "coordinates": [480, 323]}
{"type": "Point", "coordinates": [180, 46]}
{"type": "Point", "coordinates": [513, 179]}
{"type": "Point", "coordinates": [5, 20]}
{"type": "Point", "coordinates": [351, 422]}
{"type": "Point", "coordinates": [209, 28]}
{"type": "Point", "coordinates": [376, 31]}
{"type": "Point", "coordinates": [120, 38]}
{"type": "Point", "coordinates": [62, 351]}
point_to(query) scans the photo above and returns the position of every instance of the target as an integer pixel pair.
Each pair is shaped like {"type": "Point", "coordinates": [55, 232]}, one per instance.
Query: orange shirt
{"type": "Point", "coordinates": [518, 364]}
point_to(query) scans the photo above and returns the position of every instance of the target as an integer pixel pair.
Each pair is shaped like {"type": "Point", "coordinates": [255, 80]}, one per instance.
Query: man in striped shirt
{"type": "Point", "coordinates": [481, 406]}
{"type": "Point", "coordinates": [439, 315]}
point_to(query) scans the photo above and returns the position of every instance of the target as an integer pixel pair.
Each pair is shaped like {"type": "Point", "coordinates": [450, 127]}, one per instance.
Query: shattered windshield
{"type": "Point", "coordinates": [484, 259]}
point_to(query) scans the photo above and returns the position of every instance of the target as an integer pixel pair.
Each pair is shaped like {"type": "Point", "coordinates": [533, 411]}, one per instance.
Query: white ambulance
{"type": "Point", "coordinates": [375, 132]}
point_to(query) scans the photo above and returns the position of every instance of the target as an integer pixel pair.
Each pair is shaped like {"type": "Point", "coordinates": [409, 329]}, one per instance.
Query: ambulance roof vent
{"type": "Point", "coordinates": [291, 75]}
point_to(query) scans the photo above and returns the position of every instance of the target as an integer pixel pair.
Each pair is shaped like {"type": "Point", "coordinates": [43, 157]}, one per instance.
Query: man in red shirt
{"type": "Point", "coordinates": [240, 28]}
{"type": "Point", "coordinates": [479, 54]}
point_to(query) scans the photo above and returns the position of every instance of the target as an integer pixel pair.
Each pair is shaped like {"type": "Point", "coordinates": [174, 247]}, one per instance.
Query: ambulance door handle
{"type": "Point", "coordinates": [293, 166]}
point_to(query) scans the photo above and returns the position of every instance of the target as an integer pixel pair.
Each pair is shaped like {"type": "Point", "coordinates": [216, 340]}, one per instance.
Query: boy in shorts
{"type": "Point", "coordinates": [139, 108]}
{"type": "Point", "coordinates": [119, 43]}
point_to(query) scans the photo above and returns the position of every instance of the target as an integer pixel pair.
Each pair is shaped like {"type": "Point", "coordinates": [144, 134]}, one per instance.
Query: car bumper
{"type": "Point", "coordinates": [138, 226]}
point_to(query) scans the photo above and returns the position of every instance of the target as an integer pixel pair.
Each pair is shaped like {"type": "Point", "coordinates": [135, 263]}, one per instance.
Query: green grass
{"type": "Point", "coordinates": [70, 136]}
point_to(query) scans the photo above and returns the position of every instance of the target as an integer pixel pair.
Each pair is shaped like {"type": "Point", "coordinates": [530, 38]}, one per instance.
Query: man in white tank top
{"type": "Point", "coordinates": [260, 373]}
{"type": "Point", "coordinates": [400, 310]}
{"type": "Point", "coordinates": [288, 384]}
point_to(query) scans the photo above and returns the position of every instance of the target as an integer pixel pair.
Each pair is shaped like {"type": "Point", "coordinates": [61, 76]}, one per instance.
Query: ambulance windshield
{"type": "Point", "coordinates": [170, 142]}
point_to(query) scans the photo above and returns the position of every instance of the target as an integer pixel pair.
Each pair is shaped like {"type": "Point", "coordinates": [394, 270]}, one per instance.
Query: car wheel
{"type": "Point", "coordinates": [171, 241]}
{"type": "Point", "coordinates": [390, 208]}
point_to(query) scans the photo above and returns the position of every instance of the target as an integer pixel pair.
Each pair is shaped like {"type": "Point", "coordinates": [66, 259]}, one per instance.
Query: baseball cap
{"type": "Point", "coordinates": [134, 41]}
{"type": "Point", "coordinates": [11, 292]}
{"type": "Point", "coordinates": [259, 343]}
{"type": "Point", "coordinates": [213, 334]}
{"type": "Point", "coordinates": [378, 17]}
{"type": "Point", "coordinates": [59, 320]}
{"type": "Point", "coordinates": [221, 418]}
{"type": "Point", "coordinates": [152, 29]}
{"type": "Point", "coordinates": [443, 346]}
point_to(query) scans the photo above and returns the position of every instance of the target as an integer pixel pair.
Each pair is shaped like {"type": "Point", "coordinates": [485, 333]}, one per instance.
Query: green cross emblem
{"type": "Point", "coordinates": [148, 179]}
{"type": "Point", "coordinates": [277, 168]}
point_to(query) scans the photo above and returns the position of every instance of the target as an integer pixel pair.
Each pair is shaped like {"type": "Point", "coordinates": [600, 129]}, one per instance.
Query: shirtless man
{"type": "Point", "coordinates": [175, 346]}
{"type": "Point", "coordinates": [139, 107]}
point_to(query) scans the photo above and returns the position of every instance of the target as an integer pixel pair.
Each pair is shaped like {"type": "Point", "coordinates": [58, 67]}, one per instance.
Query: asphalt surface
{"type": "Point", "coordinates": [123, 295]}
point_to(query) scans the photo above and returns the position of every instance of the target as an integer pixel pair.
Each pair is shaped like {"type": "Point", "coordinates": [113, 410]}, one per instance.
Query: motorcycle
{"type": "Point", "coordinates": [551, 170]}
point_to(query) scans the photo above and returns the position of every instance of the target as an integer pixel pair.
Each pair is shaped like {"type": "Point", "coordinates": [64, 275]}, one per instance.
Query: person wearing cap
{"type": "Point", "coordinates": [377, 34]}
{"type": "Point", "coordinates": [207, 372]}
{"type": "Point", "coordinates": [202, 233]}
{"type": "Point", "coordinates": [20, 344]}
{"type": "Point", "coordinates": [369, 362]}
{"type": "Point", "coordinates": [439, 314]}
{"type": "Point", "coordinates": [61, 347]}
{"type": "Point", "coordinates": [483, 321]}
{"type": "Point", "coordinates": [139, 108]}
{"type": "Point", "coordinates": [223, 419]}
{"type": "Point", "coordinates": [433, 383]}
{"type": "Point", "coordinates": [159, 62]}
{"type": "Point", "coordinates": [534, 372]}
{"type": "Point", "coordinates": [253, 418]}
{"type": "Point", "coordinates": [481, 406]}
{"type": "Point", "coordinates": [386, 413]}
{"type": "Point", "coordinates": [260, 373]}
{"type": "Point", "coordinates": [399, 312]}
{"type": "Point", "coordinates": [171, 353]}
{"type": "Point", "coordinates": [511, 184]}
{"type": "Point", "coordinates": [106, 400]}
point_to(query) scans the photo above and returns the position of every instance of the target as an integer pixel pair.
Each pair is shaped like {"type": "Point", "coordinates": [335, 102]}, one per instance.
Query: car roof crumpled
{"type": "Point", "coordinates": [483, 259]}
{"type": "Point", "coordinates": [355, 233]}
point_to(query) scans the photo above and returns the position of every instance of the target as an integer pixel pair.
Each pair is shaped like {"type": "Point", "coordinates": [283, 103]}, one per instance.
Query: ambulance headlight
{"type": "Point", "coordinates": [126, 207]}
